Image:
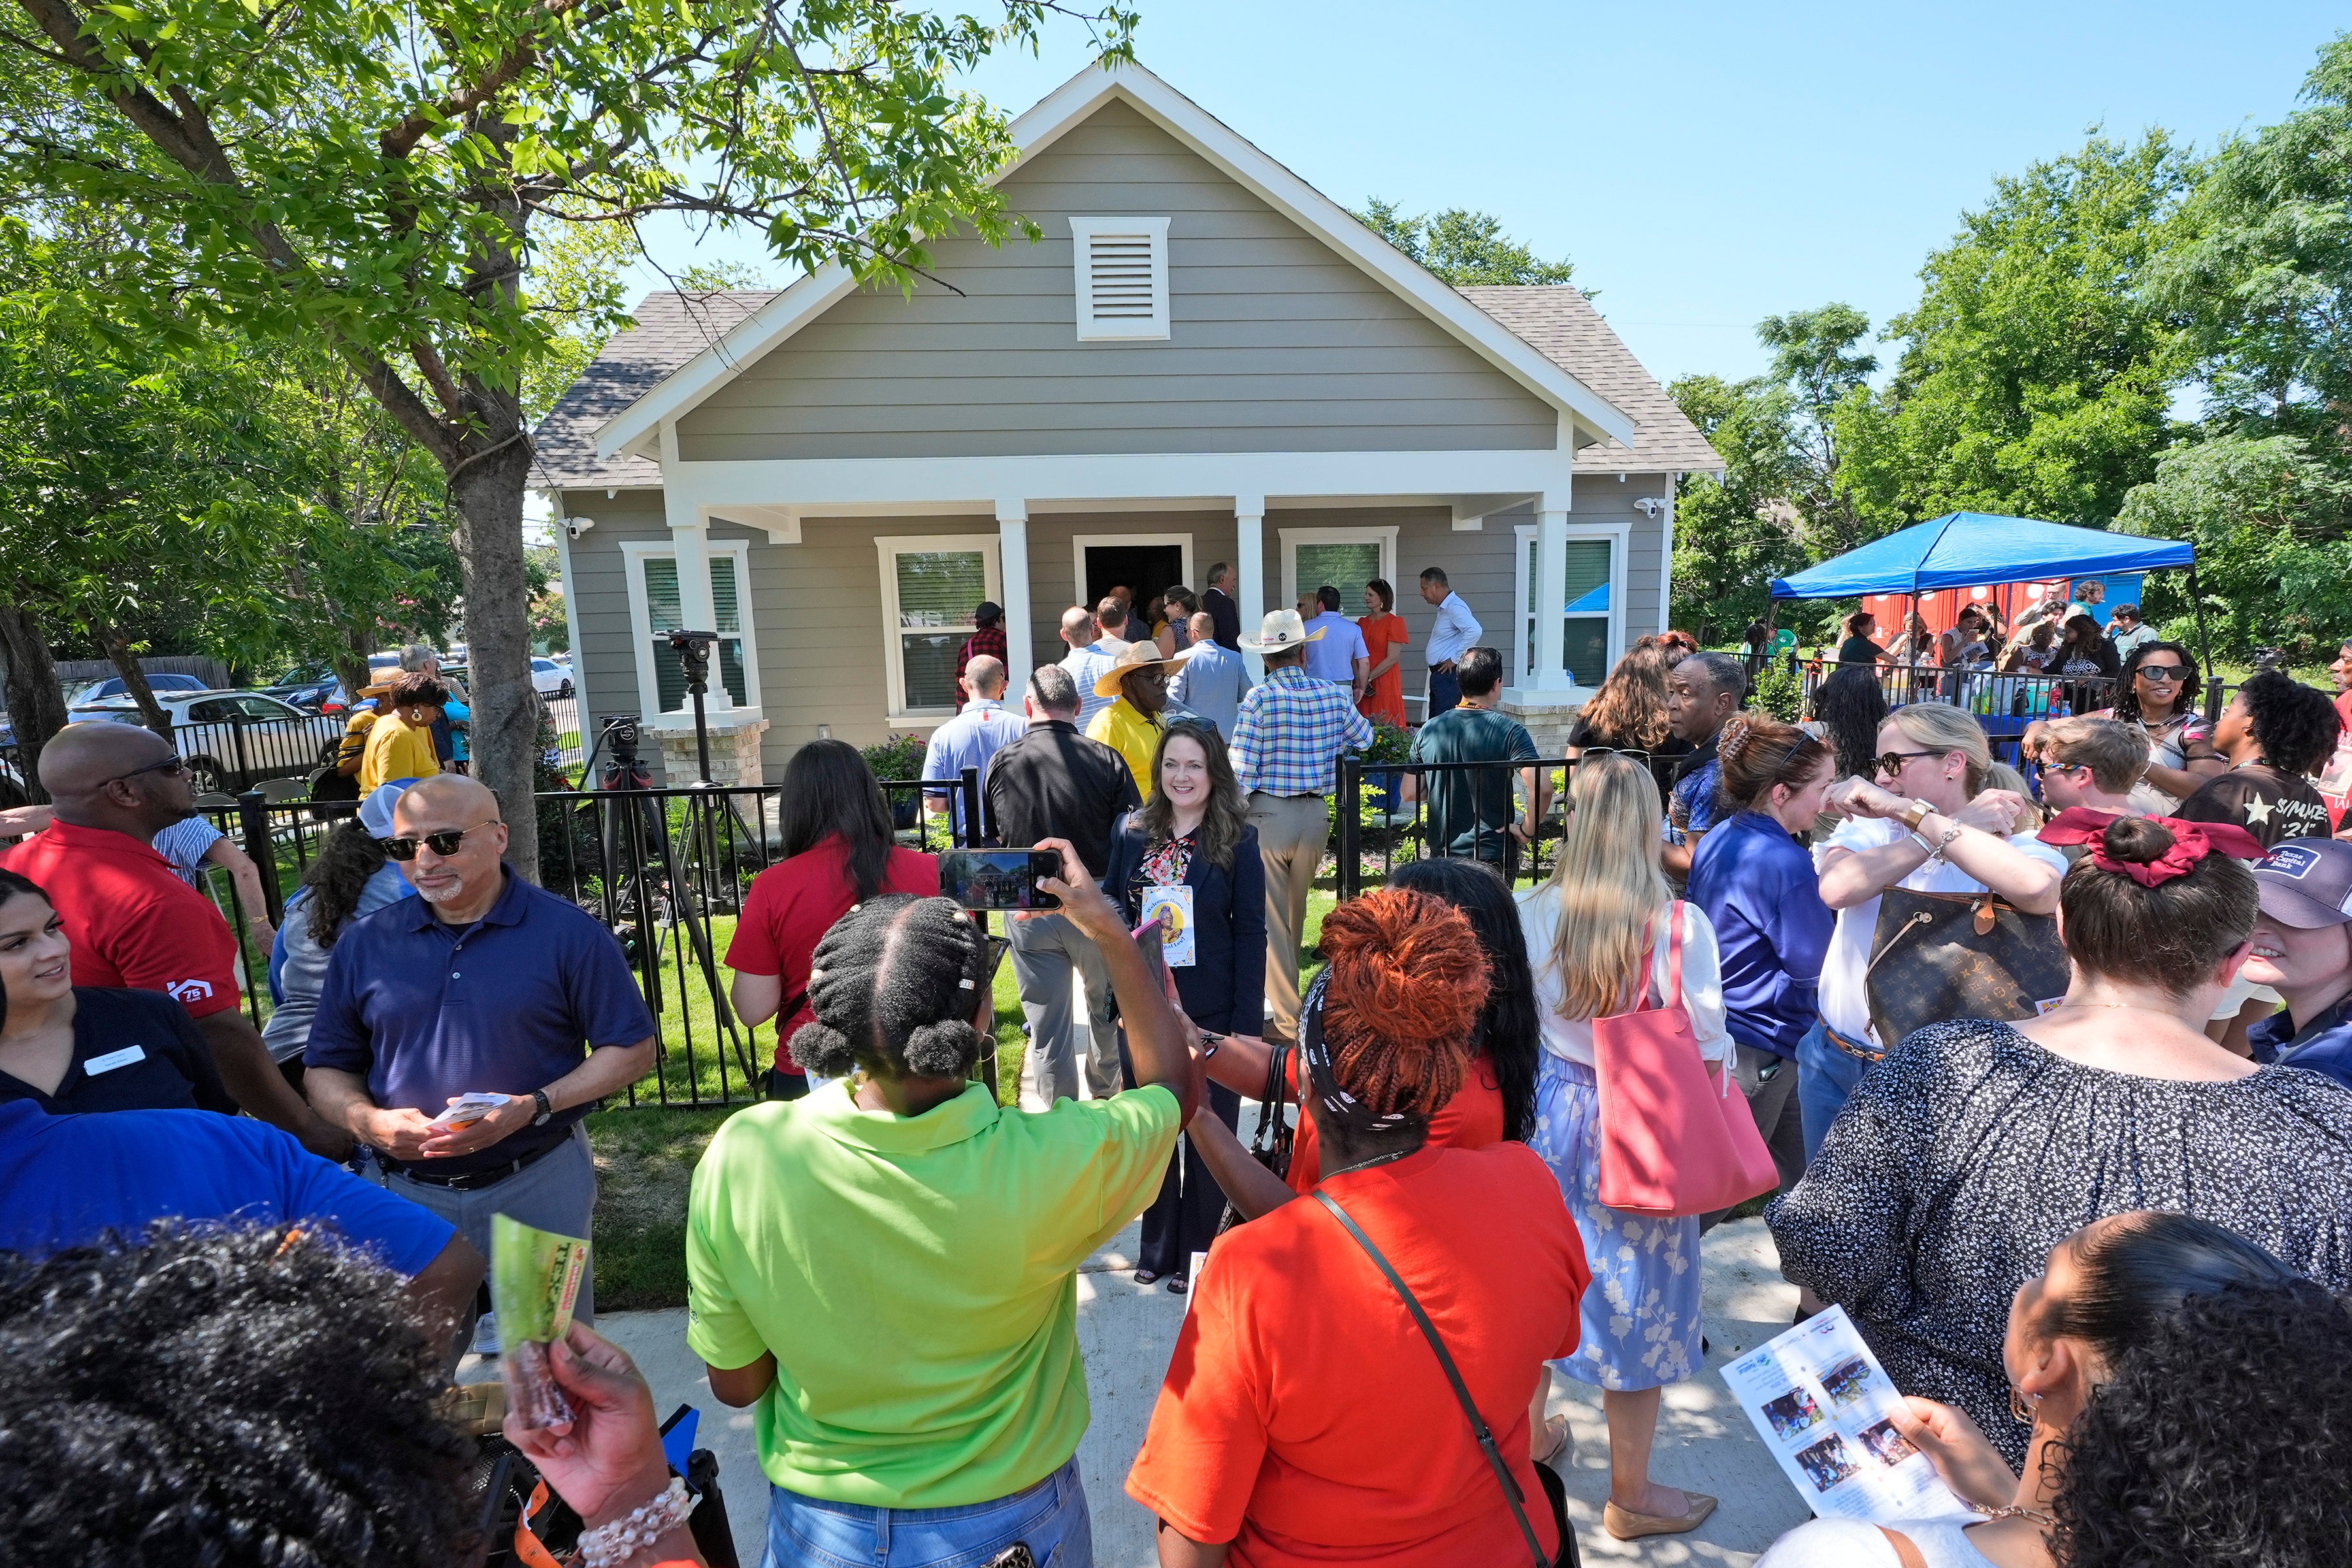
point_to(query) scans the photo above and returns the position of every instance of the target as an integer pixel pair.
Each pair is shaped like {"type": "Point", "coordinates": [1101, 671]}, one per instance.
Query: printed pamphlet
{"type": "Point", "coordinates": [534, 1279]}
{"type": "Point", "coordinates": [1826, 1408]}
{"type": "Point", "coordinates": [1176, 925]}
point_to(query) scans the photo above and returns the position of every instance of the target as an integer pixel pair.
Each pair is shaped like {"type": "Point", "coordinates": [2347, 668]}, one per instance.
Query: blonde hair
{"type": "Point", "coordinates": [1942, 726]}
{"type": "Point", "coordinates": [1609, 884]}
{"type": "Point", "coordinates": [2001, 776]}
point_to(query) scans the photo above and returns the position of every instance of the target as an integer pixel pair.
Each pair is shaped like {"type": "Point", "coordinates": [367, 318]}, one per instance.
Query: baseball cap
{"type": "Point", "coordinates": [2307, 883]}
{"type": "Point", "coordinates": [375, 812]}
{"type": "Point", "coordinates": [989, 610]}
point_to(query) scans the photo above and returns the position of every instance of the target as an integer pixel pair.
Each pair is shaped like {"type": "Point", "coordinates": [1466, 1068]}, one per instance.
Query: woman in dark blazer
{"type": "Point", "coordinates": [1194, 835]}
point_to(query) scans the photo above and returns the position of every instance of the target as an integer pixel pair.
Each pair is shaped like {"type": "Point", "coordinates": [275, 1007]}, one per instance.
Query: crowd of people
{"type": "Point", "coordinates": [2100, 1239]}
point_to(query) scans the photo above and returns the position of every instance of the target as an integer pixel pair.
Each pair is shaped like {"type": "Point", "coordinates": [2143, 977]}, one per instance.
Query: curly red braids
{"type": "Point", "coordinates": [1408, 980]}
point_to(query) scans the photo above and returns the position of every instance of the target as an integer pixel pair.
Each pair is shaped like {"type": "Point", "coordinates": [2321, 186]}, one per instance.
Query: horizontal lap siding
{"type": "Point", "coordinates": [1277, 343]}
{"type": "Point", "coordinates": [605, 662]}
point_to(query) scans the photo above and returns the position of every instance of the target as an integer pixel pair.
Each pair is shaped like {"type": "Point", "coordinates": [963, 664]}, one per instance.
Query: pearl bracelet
{"type": "Point", "coordinates": [617, 1542]}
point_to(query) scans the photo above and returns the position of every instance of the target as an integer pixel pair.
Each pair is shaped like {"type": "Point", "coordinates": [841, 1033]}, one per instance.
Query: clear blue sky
{"type": "Point", "coordinates": [1703, 165]}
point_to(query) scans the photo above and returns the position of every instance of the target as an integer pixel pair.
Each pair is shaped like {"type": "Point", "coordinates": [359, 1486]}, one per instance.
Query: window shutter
{"type": "Point", "coordinates": [1123, 276]}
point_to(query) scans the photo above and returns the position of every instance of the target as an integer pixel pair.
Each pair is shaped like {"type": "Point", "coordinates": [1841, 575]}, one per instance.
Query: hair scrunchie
{"type": "Point", "coordinates": [2191, 842]}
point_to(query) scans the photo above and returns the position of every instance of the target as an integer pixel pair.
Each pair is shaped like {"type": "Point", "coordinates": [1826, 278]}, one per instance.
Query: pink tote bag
{"type": "Point", "coordinates": [1675, 1139]}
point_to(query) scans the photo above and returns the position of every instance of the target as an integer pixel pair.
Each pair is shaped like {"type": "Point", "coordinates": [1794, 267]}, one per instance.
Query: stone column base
{"type": "Point", "coordinates": [1550, 716]}
{"type": "Point", "coordinates": [734, 748]}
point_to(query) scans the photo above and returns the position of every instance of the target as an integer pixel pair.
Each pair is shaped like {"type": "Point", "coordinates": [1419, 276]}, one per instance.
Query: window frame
{"type": "Point", "coordinates": [887, 548]}
{"type": "Point", "coordinates": [1093, 329]}
{"type": "Point", "coordinates": [1382, 534]}
{"type": "Point", "coordinates": [635, 553]}
{"type": "Point", "coordinates": [1620, 536]}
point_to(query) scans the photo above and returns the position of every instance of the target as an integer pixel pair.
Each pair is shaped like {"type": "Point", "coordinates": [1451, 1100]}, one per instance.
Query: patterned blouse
{"type": "Point", "coordinates": [1969, 1151]}
{"type": "Point", "coordinates": [1162, 866]}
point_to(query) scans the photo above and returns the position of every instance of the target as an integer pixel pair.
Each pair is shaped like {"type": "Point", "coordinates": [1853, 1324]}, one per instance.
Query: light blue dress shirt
{"type": "Point", "coordinates": [1211, 684]}
{"type": "Point", "coordinates": [967, 740]}
{"type": "Point", "coordinates": [1333, 658]}
{"type": "Point", "coordinates": [1455, 632]}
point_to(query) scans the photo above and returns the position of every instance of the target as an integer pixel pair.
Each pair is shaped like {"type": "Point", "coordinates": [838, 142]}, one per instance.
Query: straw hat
{"type": "Point", "coordinates": [1135, 656]}
{"type": "Point", "coordinates": [1281, 630]}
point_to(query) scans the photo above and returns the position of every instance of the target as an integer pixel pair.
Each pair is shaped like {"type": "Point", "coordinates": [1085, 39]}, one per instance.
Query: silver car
{"type": "Point", "coordinates": [232, 739]}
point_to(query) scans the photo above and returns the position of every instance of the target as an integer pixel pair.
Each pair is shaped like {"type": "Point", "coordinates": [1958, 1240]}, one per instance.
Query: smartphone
{"type": "Point", "coordinates": [999, 879]}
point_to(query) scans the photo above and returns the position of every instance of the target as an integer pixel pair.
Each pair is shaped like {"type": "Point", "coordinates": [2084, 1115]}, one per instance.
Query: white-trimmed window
{"type": "Point", "coordinates": [654, 613]}
{"type": "Point", "coordinates": [1123, 276]}
{"type": "Point", "coordinates": [1593, 624]}
{"type": "Point", "coordinates": [930, 586]}
{"type": "Point", "coordinates": [1344, 558]}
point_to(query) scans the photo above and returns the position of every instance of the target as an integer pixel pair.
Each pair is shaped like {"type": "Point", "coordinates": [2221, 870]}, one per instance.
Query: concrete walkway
{"type": "Point", "coordinates": [1127, 1333]}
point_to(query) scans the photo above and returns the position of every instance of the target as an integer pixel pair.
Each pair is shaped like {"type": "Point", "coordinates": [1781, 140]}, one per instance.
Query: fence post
{"type": "Point", "coordinates": [972, 834]}
{"type": "Point", "coordinates": [1352, 780]}
{"type": "Point", "coordinates": [253, 815]}
{"type": "Point", "coordinates": [243, 762]}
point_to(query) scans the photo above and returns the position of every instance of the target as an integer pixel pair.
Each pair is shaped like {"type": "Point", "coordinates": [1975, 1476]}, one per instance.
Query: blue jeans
{"type": "Point", "coordinates": [1825, 1076]}
{"type": "Point", "coordinates": [1445, 692]}
{"type": "Point", "coordinates": [1051, 1517]}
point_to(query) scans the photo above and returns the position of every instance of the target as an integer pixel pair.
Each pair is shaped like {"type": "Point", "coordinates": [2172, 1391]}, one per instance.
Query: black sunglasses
{"type": "Point", "coordinates": [171, 767]}
{"type": "Point", "coordinates": [445, 842]}
{"type": "Point", "coordinates": [1891, 762]}
{"type": "Point", "coordinates": [2162, 671]}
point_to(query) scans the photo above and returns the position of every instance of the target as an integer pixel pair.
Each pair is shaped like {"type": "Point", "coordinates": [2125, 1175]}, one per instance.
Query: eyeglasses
{"type": "Point", "coordinates": [1629, 756]}
{"type": "Point", "coordinates": [445, 842]}
{"type": "Point", "coordinates": [1891, 762]}
{"type": "Point", "coordinates": [2161, 671]}
{"type": "Point", "coordinates": [170, 767]}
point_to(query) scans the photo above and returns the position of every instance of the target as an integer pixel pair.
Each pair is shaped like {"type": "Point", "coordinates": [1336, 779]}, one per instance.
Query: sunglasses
{"type": "Point", "coordinates": [1631, 756]}
{"type": "Point", "coordinates": [1891, 762]}
{"type": "Point", "coordinates": [2161, 671]}
{"type": "Point", "coordinates": [170, 767]}
{"type": "Point", "coordinates": [445, 842]}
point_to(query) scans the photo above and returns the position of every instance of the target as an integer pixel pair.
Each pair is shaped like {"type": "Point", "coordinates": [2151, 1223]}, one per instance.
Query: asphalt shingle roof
{"type": "Point", "coordinates": [1556, 320]}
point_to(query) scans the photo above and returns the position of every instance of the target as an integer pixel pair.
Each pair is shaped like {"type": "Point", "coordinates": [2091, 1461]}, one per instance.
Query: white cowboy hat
{"type": "Point", "coordinates": [1281, 630]}
{"type": "Point", "coordinates": [1135, 656]}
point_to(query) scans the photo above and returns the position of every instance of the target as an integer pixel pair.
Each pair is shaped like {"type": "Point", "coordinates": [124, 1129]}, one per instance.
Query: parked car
{"type": "Point", "coordinates": [306, 686]}
{"type": "Point", "coordinates": [550, 679]}
{"type": "Point", "coordinates": [233, 740]}
{"type": "Point", "coordinates": [158, 681]}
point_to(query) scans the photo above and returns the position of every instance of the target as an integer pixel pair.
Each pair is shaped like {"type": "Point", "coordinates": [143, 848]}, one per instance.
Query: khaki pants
{"type": "Point", "coordinates": [1048, 954]}
{"type": "Point", "coordinates": [1292, 831]}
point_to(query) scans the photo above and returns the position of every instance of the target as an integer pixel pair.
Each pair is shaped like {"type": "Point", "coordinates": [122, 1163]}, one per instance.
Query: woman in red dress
{"type": "Point", "coordinates": [1385, 636]}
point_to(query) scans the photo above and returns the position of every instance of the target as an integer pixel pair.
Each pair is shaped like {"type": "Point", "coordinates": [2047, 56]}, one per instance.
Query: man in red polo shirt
{"type": "Point", "coordinates": [134, 924]}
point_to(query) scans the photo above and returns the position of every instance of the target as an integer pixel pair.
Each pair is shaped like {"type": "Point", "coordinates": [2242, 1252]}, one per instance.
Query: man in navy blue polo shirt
{"type": "Point", "coordinates": [2303, 949]}
{"type": "Point", "coordinates": [480, 984]}
{"type": "Point", "coordinates": [69, 1181]}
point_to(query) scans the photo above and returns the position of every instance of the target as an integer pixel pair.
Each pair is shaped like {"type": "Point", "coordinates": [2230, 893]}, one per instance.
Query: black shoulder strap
{"type": "Point", "coordinates": [1478, 1429]}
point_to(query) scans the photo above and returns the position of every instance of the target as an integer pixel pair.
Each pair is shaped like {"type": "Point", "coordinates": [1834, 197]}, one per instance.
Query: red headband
{"type": "Point", "coordinates": [2191, 842]}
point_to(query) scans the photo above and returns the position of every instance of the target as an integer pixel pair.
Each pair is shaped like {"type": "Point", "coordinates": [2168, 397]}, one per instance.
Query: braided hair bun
{"type": "Point", "coordinates": [895, 984]}
{"type": "Point", "coordinates": [1408, 983]}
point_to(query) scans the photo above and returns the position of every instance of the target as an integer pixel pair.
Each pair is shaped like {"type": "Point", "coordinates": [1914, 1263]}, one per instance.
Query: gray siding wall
{"type": "Point", "coordinates": [1277, 343]}
{"type": "Point", "coordinates": [605, 662]}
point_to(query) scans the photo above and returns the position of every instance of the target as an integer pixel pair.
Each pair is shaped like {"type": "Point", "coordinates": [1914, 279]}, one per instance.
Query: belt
{"type": "Point", "coordinates": [1854, 1048]}
{"type": "Point", "coordinates": [474, 1181]}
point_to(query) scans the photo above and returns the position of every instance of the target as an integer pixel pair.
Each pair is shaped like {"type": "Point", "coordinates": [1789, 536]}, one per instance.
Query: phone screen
{"type": "Point", "coordinates": [999, 879]}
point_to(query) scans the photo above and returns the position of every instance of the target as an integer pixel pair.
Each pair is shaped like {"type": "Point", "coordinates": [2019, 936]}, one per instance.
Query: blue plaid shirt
{"type": "Point", "coordinates": [1291, 729]}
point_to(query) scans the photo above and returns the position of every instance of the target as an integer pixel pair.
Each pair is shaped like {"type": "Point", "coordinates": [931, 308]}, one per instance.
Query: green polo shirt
{"type": "Point", "coordinates": [916, 1279]}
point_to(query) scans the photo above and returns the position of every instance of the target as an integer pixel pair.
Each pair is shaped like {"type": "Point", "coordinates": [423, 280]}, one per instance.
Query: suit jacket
{"type": "Point", "coordinates": [1226, 614]}
{"type": "Point", "coordinates": [1224, 988]}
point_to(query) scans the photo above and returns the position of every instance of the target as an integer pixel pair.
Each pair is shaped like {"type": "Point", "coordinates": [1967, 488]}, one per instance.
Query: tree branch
{"type": "Point", "coordinates": [402, 138]}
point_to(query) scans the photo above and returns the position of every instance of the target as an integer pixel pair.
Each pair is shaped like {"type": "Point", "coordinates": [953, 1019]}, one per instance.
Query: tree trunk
{"type": "Point", "coordinates": [135, 678]}
{"type": "Point", "coordinates": [37, 700]}
{"type": "Point", "coordinates": [487, 492]}
{"type": "Point", "coordinates": [351, 661]}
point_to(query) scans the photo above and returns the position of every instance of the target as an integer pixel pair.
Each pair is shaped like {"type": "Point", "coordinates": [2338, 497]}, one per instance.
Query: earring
{"type": "Point", "coordinates": [2019, 1408]}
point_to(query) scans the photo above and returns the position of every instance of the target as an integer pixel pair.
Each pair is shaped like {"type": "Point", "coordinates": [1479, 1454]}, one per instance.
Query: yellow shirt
{"type": "Point", "coordinates": [396, 749]}
{"type": "Point", "coordinates": [1133, 734]}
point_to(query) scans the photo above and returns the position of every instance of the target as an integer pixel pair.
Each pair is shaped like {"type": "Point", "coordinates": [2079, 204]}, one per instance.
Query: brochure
{"type": "Point", "coordinates": [1176, 925]}
{"type": "Point", "coordinates": [1825, 1408]}
{"type": "Point", "coordinates": [534, 1279]}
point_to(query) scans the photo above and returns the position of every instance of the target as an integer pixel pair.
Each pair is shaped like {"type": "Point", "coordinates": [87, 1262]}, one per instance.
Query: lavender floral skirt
{"type": "Point", "coordinates": [1640, 1313]}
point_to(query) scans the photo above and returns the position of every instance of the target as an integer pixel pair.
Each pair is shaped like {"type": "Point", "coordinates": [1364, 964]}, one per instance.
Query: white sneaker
{"type": "Point", "coordinates": [486, 1334]}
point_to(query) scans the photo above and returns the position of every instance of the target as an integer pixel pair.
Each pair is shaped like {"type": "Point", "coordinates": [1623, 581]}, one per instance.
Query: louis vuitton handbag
{"type": "Point", "coordinates": [1939, 956]}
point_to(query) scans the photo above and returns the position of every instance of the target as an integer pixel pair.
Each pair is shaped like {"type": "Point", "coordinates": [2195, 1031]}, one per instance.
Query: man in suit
{"type": "Point", "coordinates": [1224, 614]}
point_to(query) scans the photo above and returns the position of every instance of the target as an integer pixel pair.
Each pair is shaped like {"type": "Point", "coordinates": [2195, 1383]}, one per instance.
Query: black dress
{"type": "Point", "coordinates": [132, 1050]}
{"type": "Point", "coordinates": [1969, 1151]}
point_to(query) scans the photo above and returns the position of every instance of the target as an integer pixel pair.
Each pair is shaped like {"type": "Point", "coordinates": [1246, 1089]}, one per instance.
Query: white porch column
{"type": "Point", "coordinates": [690, 537]}
{"type": "Point", "coordinates": [1249, 568]}
{"type": "Point", "coordinates": [1551, 598]}
{"type": "Point", "coordinates": [1013, 567]}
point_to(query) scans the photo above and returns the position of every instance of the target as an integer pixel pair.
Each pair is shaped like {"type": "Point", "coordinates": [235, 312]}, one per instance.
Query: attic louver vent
{"type": "Point", "coordinates": [1123, 276]}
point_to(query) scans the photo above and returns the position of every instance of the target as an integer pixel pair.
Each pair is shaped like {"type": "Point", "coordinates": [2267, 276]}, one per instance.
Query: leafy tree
{"type": "Point", "coordinates": [365, 176]}
{"type": "Point", "coordinates": [2264, 271]}
{"type": "Point", "coordinates": [2036, 372]}
{"type": "Point", "coordinates": [2273, 527]}
{"type": "Point", "coordinates": [1462, 246]}
{"type": "Point", "coordinates": [1813, 360]}
{"type": "Point", "coordinates": [1732, 538]}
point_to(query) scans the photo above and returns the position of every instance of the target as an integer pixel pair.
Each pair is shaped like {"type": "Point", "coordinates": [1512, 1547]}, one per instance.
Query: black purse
{"type": "Point", "coordinates": [1270, 1145]}
{"type": "Point", "coordinates": [1554, 1491]}
{"type": "Point", "coordinates": [1939, 956]}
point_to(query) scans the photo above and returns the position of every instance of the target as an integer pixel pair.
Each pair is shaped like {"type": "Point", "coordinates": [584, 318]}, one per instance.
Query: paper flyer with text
{"type": "Point", "coordinates": [1824, 1408]}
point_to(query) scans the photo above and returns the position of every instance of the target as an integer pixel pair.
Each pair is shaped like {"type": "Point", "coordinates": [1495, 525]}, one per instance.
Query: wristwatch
{"type": "Point", "coordinates": [1917, 812]}
{"type": "Point", "coordinates": [545, 1109]}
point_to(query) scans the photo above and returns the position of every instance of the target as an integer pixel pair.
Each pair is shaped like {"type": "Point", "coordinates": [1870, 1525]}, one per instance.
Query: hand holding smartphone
{"type": "Point", "coordinates": [999, 879]}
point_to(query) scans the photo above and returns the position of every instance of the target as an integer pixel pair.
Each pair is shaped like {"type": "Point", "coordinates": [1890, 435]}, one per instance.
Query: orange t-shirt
{"type": "Point", "coordinates": [1297, 1369]}
{"type": "Point", "coordinates": [1384, 698]}
{"type": "Point", "coordinates": [1471, 1120]}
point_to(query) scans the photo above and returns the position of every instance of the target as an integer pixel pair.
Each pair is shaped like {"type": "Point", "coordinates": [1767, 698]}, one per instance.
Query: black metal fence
{"type": "Point", "coordinates": [1375, 827]}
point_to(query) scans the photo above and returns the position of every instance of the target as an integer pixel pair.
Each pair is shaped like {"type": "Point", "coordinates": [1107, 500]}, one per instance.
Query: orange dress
{"type": "Point", "coordinates": [1384, 698]}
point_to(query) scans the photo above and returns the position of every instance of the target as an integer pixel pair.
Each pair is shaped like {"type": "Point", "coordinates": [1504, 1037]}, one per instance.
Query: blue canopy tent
{"type": "Point", "coordinates": [1973, 549]}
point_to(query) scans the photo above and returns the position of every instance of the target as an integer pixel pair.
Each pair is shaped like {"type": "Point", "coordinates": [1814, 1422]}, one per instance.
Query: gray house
{"type": "Point", "coordinates": [1203, 359]}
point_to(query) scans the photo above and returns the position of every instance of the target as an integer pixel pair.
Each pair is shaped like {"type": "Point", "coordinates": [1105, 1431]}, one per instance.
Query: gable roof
{"type": "Point", "coordinates": [1070, 104]}
{"type": "Point", "coordinates": [1559, 322]}
{"type": "Point", "coordinates": [671, 328]}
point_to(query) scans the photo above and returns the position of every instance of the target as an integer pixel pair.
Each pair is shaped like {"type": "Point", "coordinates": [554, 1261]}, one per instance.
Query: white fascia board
{"type": "Point", "coordinates": [1037, 129]}
{"type": "Point", "coordinates": [944, 486]}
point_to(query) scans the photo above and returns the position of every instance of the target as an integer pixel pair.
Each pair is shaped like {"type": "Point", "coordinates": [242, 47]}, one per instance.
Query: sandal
{"type": "Point", "coordinates": [1145, 1276]}
{"type": "Point", "coordinates": [1177, 1285]}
